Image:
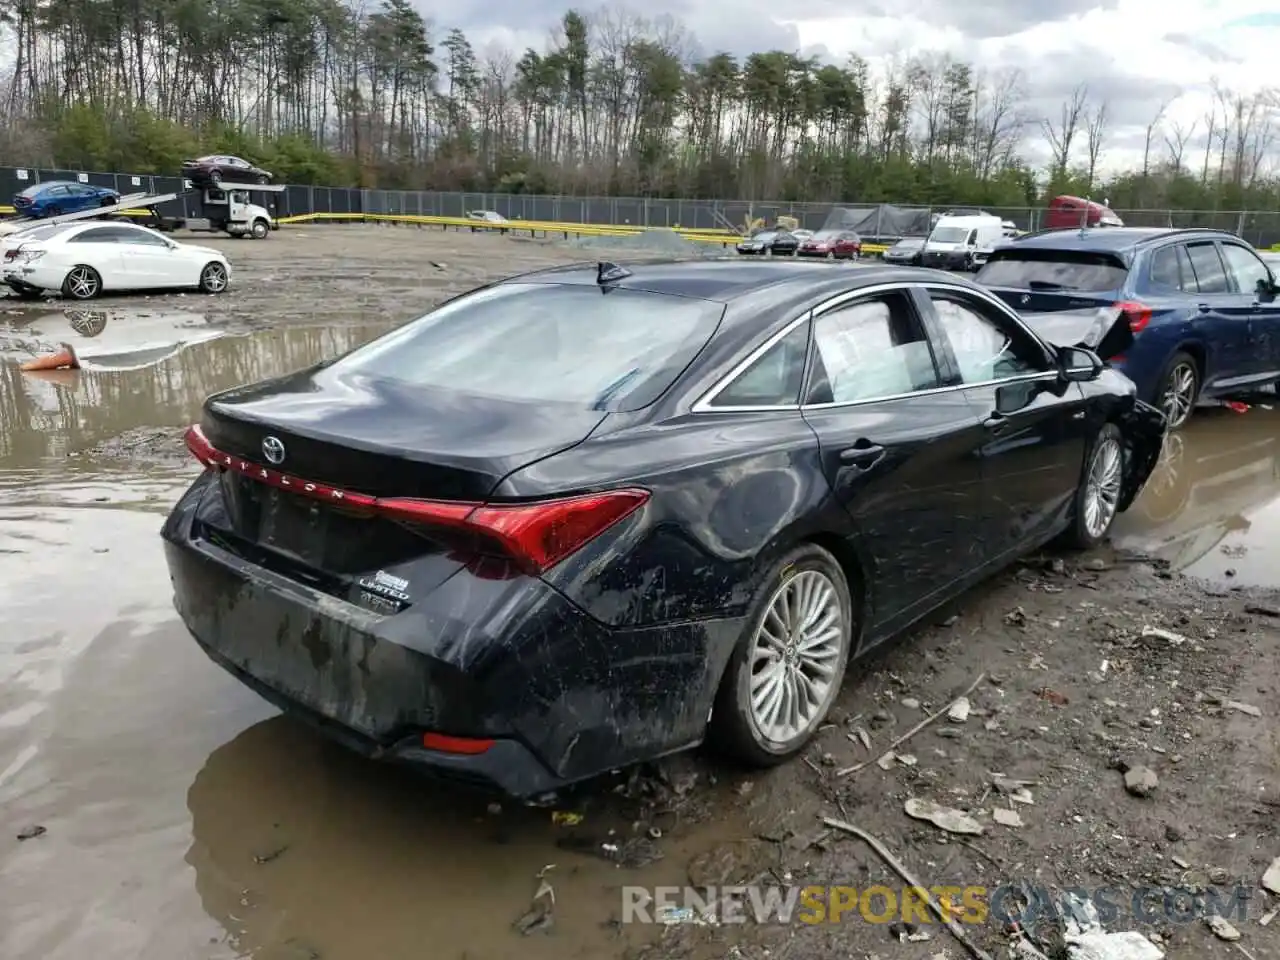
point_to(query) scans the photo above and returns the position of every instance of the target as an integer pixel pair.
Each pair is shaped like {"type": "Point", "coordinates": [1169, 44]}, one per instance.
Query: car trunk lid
{"type": "Point", "coordinates": [1042, 280]}
{"type": "Point", "coordinates": [325, 499]}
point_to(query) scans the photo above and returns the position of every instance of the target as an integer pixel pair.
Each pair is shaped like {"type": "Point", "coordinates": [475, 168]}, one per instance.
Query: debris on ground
{"type": "Point", "coordinates": [959, 711]}
{"type": "Point", "coordinates": [1221, 928]}
{"type": "Point", "coordinates": [31, 832]}
{"type": "Point", "coordinates": [1271, 878]}
{"type": "Point", "coordinates": [1086, 940]}
{"type": "Point", "coordinates": [565, 818]}
{"type": "Point", "coordinates": [1246, 708]}
{"type": "Point", "coordinates": [944, 818]}
{"type": "Point", "coordinates": [1006, 818]}
{"type": "Point", "coordinates": [270, 855]}
{"type": "Point", "coordinates": [539, 915]}
{"type": "Point", "coordinates": [1175, 639]}
{"type": "Point", "coordinates": [1141, 781]}
{"type": "Point", "coordinates": [1053, 696]}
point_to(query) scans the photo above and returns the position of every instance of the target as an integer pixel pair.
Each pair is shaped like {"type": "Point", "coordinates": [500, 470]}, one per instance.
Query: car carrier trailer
{"type": "Point", "coordinates": [132, 201]}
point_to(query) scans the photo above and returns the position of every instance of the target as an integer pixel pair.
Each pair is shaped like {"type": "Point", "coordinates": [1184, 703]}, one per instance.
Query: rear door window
{"type": "Point", "coordinates": [870, 350]}
{"type": "Point", "coordinates": [1211, 275]}
{"type": "Point", "coordinates": [605, 349]}
{"type": "Point", "coordinates": [1075, 270]}
{"type": "Point", "coordinates": [1166, 269]}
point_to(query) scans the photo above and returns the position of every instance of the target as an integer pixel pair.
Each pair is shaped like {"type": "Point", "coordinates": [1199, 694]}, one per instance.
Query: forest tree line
{"type": "Point", "coordinates": [347, 92]}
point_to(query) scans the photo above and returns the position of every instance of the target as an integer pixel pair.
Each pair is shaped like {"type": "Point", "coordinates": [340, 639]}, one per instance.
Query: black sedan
{"type": "Point", "coordinates": [769, 243]}
{"type": "Point", "coordinates": [907, 252]}
{"type": "Point", "coordinates": [592, 515]}
{"type": "Point", "coordinates": [216, 169]}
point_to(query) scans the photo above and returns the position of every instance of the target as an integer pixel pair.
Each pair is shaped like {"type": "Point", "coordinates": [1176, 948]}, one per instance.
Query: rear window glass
{"type": "Point", "coordinates": [612, 349]}
{"type": "Point", "coordinates": [1054, 270]}
{"type": "Point", "coordinates": [45, 231]}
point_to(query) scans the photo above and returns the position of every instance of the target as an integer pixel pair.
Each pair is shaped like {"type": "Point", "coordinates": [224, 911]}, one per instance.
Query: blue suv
{"type": "Point", "coordinates": [1203, 306]}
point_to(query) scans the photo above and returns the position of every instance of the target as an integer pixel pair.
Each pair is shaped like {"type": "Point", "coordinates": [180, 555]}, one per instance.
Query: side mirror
{"type": "Point", "coordinates": [1078, 365]}
{"type": "Point", "coordinates": [1267, 289]}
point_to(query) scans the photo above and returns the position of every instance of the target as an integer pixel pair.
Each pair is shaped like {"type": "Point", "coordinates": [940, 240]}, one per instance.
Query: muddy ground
{"type": "Point", "coordinates": [183, 818]}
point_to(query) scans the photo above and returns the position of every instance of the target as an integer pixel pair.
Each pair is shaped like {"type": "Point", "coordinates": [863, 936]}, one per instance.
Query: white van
{"type": "Point", "coordinates": [954, 240]}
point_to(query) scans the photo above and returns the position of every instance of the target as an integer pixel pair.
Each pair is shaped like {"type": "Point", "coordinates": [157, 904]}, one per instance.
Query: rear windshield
{"type": "Point", "coordinates": [604, 349]}
{"type": "Point", "coordinates": [45, 231]}
{"type": "Point", "coordinates": [1052, 270]}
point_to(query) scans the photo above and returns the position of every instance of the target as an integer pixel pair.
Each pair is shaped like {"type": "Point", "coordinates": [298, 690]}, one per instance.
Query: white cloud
{"type": "Point", "coordinates": [1136, 53]}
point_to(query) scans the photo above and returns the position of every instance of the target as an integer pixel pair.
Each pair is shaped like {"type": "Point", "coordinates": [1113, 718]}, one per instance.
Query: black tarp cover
{"type": "Point", "coordinates": [882, 220]}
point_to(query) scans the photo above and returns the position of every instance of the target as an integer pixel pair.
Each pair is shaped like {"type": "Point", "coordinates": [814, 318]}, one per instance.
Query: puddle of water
{"type": "Point", "coordinates": [49, 415]}
{"type": "Point", "coordinates": [1213, 503]}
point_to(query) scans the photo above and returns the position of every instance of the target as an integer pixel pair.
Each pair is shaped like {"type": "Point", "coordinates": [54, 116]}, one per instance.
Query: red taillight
{"type": "Point", "coordinates": [536, 536]}
{"type": "Point", "coordinates": [200, 446]}
{"type": "Point", "coordinates": [466, 746]}
{"type": "Point", "coordinates": [1138, 314]}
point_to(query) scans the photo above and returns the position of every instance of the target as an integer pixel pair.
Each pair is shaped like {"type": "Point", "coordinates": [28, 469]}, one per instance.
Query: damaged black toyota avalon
{"type": "Point", "coordinates": [591, 515]}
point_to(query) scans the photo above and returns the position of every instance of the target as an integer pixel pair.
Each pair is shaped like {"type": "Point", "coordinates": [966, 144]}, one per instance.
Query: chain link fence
{"type": "Point", "coordinates": [1261, 228]}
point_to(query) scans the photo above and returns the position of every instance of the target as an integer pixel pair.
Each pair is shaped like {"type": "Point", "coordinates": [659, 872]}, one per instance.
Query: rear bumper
{"type": "Point", "coordinates": [562, 697]}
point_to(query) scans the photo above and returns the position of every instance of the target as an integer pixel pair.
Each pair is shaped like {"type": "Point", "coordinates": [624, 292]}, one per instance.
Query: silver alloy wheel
{"type": "Point", "coordinates": [213, 279]}
{"type": "Point", "coordinates": [1179, 394]}
{"type": "Point", "coordinates": [1102, 488]}
{"type": "Point", "coordinates": [795, 655]}
{"type": "Point", "coordinates": [259, 230]}
{"type": "Point", "coordinates": [83, 283]}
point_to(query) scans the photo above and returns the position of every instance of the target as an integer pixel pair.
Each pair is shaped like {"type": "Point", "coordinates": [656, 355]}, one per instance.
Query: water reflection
{"type": "Point", "coordinates": [51, 416]}
{"type": "Point", "coordinates": [1211, 505]}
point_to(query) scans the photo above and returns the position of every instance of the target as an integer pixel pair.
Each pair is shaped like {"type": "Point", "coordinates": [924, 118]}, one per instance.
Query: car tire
{"type": "Point", "coordinates": [746, 733]}
{"type": "Point", "coordinates": [1181, 374]}
{"type": "Point", "coordinates": [53, 210]}
{"type": "Point", "coordinates": [215, 178]}
{"type": "Point", "coordinates": [213, 277]}
{"type": "Point", "coordinates": [262, 179]}
{"type": "Point", "coordinates": [1098, 494]}
{"type": "Point", "coordinates": [260, 229]}
{"type": "Point", "coordinates": [82, 282]}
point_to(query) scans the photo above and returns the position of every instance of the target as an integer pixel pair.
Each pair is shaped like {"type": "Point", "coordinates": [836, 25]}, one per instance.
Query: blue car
{"type": "Point", "coordinates": [1202, 304]}
{"type": "Point", "coordinates": [54, 197]}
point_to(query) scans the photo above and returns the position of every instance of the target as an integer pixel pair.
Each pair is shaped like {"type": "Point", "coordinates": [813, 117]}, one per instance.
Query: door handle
{"type": "Point", "coordinates": [1202, 307]}
{"type": "Point", "coordinates": [996, 423]}
{"type": "Point", "coordinates": [862, 454]}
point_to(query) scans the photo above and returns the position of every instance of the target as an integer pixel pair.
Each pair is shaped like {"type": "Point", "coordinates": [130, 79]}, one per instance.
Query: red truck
{"type": "Point", "coordinates": [1066, 212]}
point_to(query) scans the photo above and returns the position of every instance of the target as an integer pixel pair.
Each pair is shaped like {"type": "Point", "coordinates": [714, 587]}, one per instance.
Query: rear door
{"type": "Point", "coordinates": [1248, 271]}
{"type": "Point", "coordinates": [898, 450]}
{"type": "Point", "coordinates": [1035, 425]}
{"type": "Point", "coordinates": [1224, 318]}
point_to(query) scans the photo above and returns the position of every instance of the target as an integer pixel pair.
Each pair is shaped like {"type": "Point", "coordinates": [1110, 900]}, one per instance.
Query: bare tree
{"type": "Point", "coordinates": [1152, 128]}
{"type": "Point", "coordinates": [1062, 136]}
{"type": "Point", "coordinates": [1095, 135]}
{"type": "Point", "coordinates": [998, 121]}
{"type": "Point", "coordinates": [1176, 140]}
{"type": "Point", "coordinates": [1211, 126]}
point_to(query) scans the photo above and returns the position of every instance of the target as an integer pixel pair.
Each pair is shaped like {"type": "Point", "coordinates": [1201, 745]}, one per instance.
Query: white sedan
{"type": "Point", "coordinates": [82, 260]}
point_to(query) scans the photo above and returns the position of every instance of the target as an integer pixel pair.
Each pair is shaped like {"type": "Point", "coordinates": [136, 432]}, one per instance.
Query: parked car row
{"type": "Point", "coordinates": [829, 244]}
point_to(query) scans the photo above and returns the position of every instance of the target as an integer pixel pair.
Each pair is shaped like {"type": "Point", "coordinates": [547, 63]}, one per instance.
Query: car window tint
{"type": "Point", "coordinates": [96, 235]}
{"type": "Point", "coordinates": [1166, 269]}
{"type": "Point", "coordinates": [1245, 267]}
{"type": "Point", "coordinates": [774, 379]}
{"type": "Point", "coordinates": [1211, 275]}
{"type": "Point", "coordinates": [1052, 269]}
{"type": "Point", "coordinates": [870, 350]}
{"type": "Point", "coordinates": [982, 350]}
{"type": "Point", "coordinates": [135, 235]}
{"type": "Point", "coordinates": [605, 349]}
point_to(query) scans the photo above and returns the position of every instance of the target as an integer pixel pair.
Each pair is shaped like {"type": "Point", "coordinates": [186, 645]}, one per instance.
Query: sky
{"type": "Point", "coordinates": [1138, 55]}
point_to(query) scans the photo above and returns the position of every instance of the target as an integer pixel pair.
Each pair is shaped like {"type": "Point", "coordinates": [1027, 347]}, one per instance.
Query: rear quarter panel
{"type": "Point", "coordinates": [730, 494]}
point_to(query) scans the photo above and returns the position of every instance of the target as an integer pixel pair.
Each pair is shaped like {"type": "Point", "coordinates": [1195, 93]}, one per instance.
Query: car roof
{"type": "Point", "coordinates": [1110, 239]}
{"type": "Point", "coordinates": [731, 278]}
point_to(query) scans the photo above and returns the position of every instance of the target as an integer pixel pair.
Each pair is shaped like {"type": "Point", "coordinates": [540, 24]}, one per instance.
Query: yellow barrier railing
{"type": "Point", "coordinates": [708, 235]}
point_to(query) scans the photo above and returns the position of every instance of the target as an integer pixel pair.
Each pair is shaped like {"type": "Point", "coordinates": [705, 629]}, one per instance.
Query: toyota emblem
{"type": "Point", "coordinates": [273, 450]}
